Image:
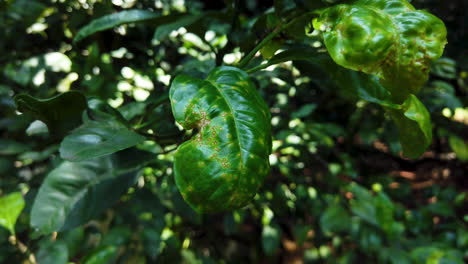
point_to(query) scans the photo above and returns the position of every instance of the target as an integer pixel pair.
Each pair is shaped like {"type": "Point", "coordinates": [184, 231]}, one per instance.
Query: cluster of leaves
{"type": "Point", "coordinates": [88, 175]}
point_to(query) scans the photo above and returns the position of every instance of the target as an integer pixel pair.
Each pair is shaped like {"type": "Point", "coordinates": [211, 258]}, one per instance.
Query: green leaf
{"type": "Point", "coordinates": [271, 239]}
{"type": "Point", "coordinates": [75, 192]}
{"type": "Point", "coordinates": [11, 147]}
{"type": "Point", "coordinates": [389, 39]}
{"type": "Point", "coordinates": [52, 253]}
{"type": "Point", "coordinates": [335, 219]}
{"type": "Point", "coordinates": [179, 21]}
{"type": "Point", "coordinates": [96, 139]}
{"type": "Point", "coordinates": [445, 68]}
{"type": "Point", "coordinates": [113, 20]}
{"type": "Point", "coordinates": [460, 147]}
{"type": "Point", "coordinates": [61, 113]}
{"type": "Point", "coordinates": [304, 111]}
{"type": "Point", "coordinates": [414, 126]}
{"type": "Point", "coordinates": [103, 255]}
{"type": "Point", "coordinates": [11, 206]}
{"type": "Point", "coordinates": [221, 167]}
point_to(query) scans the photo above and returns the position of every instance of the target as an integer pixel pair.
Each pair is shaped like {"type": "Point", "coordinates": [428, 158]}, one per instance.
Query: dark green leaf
{"type": "Point", "coordinates": [182, 21]}
{"type": "Point", "coordinates": [61, 113]}
{"type": "Point", "coordinates": [222, 167]}
{"type": "Point", "coordinates": [445, 68]}
{"type": "Point", "coordinates": [105, 255]}
{"type": "Point", "coordinates": [11, 206]}
{"type": "Point", "coordinates": [335, 219]}
{"type": "Point", "coordinates": [73, 193]}
{"type": "Point", "coordinates": [52, 253]}
{"type": "Point", "coordinates": [10, 147]}
{"type": "Point", "coordinates": [271, 239]}
{"type": "Point", "coordinates": [113, 20]}
{"type": "Point", "coordinates": [97, 138]}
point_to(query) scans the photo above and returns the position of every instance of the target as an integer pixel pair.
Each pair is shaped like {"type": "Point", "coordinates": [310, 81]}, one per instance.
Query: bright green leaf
{"type": "Point", "coordinates": [11, 206]}
{"type": "Point", "coordinates": [460, 147]}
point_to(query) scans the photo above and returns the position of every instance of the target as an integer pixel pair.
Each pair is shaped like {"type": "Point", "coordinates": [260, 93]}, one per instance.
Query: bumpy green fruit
{"type": "Point", "coordinates": [224, 164]}
{"type": "Point", "coordinates": [387, 38]}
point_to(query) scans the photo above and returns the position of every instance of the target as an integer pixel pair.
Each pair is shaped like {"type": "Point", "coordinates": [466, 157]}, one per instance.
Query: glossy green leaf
{"type": "Point", "coordinates": [75, 192]}
{"type": "Point", "coordinates": [97, 138]}
{"type": "Point", "coordinates": [221, 167]}
{"type": "Point", "coordinates": [390, 39]}
{"type": "Point", "coordinates": [414, 126]}
{"type": "Point", "coordinates": [61, 113]}
{"type": "Point", "coordinates": [11, 206]}
{"type": "Point", "coordinates": [113, 20]}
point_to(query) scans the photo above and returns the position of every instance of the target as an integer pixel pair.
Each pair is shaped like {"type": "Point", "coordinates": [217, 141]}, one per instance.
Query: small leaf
{"type": "Point", "coordinates": [414, 126]}
{"type": "Point", "coordinates": [11, 206]}
{"type": "Point", "coordinates": [460, 147]}
{"type": "Point", "coordinates": [11, 147]}
{"type": "Point", "coordinates": [113, 20]}
{"type": "Point", "coordinates": [97, 138]}
{"type": "Point", "coordinates": [61, 113]}
{"type": "Point", "coordinates": [304, 111]}
{"type": "Point", "coordinates": [179, 21]}
{"type": "Point", "coordinates": [105, 255]}
{"type": "Point", "coordinates": [445, 68]}
{"type": "Point", "coordinates": [271, 239]}
{"type": "Point", "coordinates": [222, 167]}
{"type": "Point", "coordinates": [74, 193]}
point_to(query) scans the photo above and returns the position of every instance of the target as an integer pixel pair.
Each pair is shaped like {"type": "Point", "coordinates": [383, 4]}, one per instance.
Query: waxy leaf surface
{"type": "Point", "coordinates": [390, 39]}
{"type": "Point", "coordinates": [224, 164]}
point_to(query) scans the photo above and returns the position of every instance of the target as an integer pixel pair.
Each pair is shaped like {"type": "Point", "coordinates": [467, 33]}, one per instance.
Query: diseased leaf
{"type": "Point", "coordinates": [390, 39]}
{"type": "Point", "coordinates": [414, 126]}
{"type": "Point", "coordinates": [222, 167]}
{"type": "Point", "coordinates": [61, 113]}
{"type": "Point", "coordinates": [11, 206]}
{"type": "Point", "coordinates": [97, 138]}
{"type": "Point", "coordinates": [113, 20]}
{"type": "Point", "coordinates": [75, 192]}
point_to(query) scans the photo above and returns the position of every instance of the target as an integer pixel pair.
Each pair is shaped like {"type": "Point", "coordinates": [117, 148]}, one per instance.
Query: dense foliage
{"type": "Point", "coordinates": [236, 131]}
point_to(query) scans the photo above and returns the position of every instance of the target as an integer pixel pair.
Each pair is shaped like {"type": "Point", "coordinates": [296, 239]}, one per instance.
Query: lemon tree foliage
{"type": "Point", "coordinates": [222, 167]}
{"type": "Point", "coordinates": [390, 39]}
{"type": "Point", "coordinates": [235, 131]}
